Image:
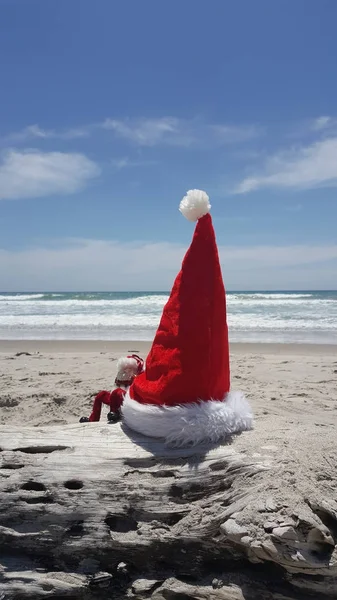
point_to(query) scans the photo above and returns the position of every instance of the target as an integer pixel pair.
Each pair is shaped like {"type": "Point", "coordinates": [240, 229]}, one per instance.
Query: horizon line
{"type": "Point", "coordinates": [228, 291]}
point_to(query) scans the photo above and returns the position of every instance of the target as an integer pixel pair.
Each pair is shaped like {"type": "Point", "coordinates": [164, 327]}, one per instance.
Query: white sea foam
{"type": "Point", "coordinates": [270, 300]}
{"type": "Point", "coordinates": [124, 320]}
{"type": "Point", "coordinates": [272, 296]}
{"type": "Point", "coordinates": [251, 317]}
{"type": "Point", "coordinates": [145, 301]}
{"type": "Point", "coordinates": [19, 297]}
{"type": "Point", "coordinates": [79, 320]}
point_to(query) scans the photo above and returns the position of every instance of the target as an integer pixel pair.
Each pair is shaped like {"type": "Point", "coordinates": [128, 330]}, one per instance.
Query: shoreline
{"type": "Point", "coordinates": [141, 347]}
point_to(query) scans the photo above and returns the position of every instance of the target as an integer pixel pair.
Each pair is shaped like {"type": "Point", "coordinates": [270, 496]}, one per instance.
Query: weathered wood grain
{"type": "Point", "coordinates": [92, 511]}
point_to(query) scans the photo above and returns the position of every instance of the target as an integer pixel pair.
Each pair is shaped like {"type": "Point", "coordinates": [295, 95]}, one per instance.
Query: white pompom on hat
{"type": "Point", "coordinates": [195, 205]}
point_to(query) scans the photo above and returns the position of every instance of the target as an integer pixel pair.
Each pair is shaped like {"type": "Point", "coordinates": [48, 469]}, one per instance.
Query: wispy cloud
{"type": "Point", "coordinates": [324, 123]}
{"type": "Point", "coordinates": [36, 132]}
{"type": "Point", "coordinates": [306, 167]}
{"type": "Point", "coordinates": [99, 264]}
{"type": "Point", "coordinates": [126, 163]}
{"type": "Point", "coordinates": [316, 128]}
{"type": "Point", "coordinates": [294, 208]}
{"type": "Point", "coordinates": [34, 174]}
{"type": "Point", "coordinates": [144, 131]}
{"type": "Point", "coordinates": [231, 134]}
{"type": "Point", "coordinates": [179, 132]}
{"type": "Point", "coordinates": [33, 131]}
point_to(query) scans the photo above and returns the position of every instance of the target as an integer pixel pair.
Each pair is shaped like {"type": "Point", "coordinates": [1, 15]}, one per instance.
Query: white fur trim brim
{"type": "Point", "coordinates": [190, 424]}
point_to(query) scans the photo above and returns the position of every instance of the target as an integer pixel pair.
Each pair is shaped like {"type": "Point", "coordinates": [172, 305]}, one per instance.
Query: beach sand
{"type": "Point", "coordinates": [56, 381]}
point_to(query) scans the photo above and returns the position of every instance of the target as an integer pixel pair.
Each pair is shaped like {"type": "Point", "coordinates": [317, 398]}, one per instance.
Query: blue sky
{"type": "Point", "coordinates": [111, 111]}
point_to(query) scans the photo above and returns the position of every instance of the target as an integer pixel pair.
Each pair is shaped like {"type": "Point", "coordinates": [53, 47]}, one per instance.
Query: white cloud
{"type": "Point", "coordinates": [324, 124]}
{"type": "Point", "coordinates": [293, 208]}
{"type": "Point", "coordinates": [36, 132]}
{"type": "Point", "coordinates": [32, 174]}
{"type": "Point", "coordinates": [178, 132]}
{"type": "Point", "coordinates": [144, 131]}
{"type": "Point", "coordinates": [307, 167]}
{"type": "Point", "coordinates": [321, 123]}
{"type": "Point", "coordinates": [231, 134]}
{"type": "Point", "coordinates": [310, 129]}
{"type": "Point", "coordinates": [97, 264]}
{"type": "Point", "coordinates": [123, 163]}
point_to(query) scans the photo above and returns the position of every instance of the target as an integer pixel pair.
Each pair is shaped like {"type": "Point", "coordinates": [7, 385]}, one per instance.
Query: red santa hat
{"type": "Point", "coordinates": [184, 393]}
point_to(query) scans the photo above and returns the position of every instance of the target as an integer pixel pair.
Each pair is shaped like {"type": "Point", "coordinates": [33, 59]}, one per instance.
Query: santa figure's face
{"type": "Point", "coordinates": [128, 368]}
{"type": "Point", "coordinates": [124, 383]}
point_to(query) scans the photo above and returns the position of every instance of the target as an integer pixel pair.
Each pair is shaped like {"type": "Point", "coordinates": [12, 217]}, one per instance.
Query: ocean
{"type": "Point", "coordinates": [277, 317]}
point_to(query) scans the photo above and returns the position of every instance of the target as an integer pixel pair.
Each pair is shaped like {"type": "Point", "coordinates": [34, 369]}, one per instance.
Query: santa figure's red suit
{"type": "Point", "coordinates": [127, 369]}
{"type": "Point", "coordinates": [184, 395]}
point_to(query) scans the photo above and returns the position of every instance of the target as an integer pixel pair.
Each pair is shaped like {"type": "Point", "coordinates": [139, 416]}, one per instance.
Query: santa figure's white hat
{"type": "Point", "coordinates": [184, 393]}
{"type": "Point", "coordinates": [128, 367]}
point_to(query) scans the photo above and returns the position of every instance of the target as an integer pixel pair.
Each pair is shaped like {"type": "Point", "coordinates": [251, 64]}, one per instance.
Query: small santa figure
{"type": "Point", "coordinates": [128, 368]}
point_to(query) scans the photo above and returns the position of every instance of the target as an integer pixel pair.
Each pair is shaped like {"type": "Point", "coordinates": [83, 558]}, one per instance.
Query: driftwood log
{"type": "Point", "coordinates": [93, 511]}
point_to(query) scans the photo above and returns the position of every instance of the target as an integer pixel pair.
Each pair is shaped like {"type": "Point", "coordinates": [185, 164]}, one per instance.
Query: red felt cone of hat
{"type": "Point", "coordinates": [183, 394]}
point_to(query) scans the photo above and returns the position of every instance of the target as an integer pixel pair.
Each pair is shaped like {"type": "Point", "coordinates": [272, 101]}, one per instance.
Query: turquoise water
{"type": "Point", "coordinates": [307, 317]}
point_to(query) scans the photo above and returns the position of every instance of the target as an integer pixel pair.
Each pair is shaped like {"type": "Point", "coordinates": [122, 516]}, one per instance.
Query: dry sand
{"type": "Point", "coordinates": [55, 383]}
